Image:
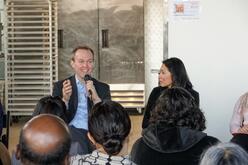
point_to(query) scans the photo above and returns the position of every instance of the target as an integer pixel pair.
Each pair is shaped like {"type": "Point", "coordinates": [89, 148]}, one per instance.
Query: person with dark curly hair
{"type": "Point", "coordinates": [172, 74]}
{"type": "Point", "coordinates": [109, 127]}
{"type": "Point", "coordinates": [174, 135]}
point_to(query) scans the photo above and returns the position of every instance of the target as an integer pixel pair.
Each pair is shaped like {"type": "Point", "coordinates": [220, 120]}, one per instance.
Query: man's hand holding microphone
{"type": "Point", "coordinates": [91, 89]}
{"type": "Point", "coordinates": [92, 94]}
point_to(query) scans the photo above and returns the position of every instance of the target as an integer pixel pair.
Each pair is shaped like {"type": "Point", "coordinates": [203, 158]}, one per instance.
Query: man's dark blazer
{"type": "Point", "coordinates": [102, 90]}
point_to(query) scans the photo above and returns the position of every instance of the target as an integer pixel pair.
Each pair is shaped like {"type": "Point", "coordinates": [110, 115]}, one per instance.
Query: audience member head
{"type": "Point", "coordinates": [225, 154]}
{"type": "Point", "coordinates": [45, 139]}
{"type": "Point", "coordinates": [239, 121]}
{"type": "Point", "coordinates": [242, 104]}
{"type": "Point", "coordinates": [109, 126]}
{"type": "Point", "coordinates": [51, 105]}
{"type": "Point", "coordinates": [173, 73]}
{"type": "Point", "coordinates": [176, 107]}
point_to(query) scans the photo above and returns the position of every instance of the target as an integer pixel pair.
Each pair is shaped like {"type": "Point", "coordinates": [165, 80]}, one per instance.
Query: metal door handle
{"type": "Point", "coordinates": [105, 38]}
{"type": "Point", "coordinates": [60, 38]}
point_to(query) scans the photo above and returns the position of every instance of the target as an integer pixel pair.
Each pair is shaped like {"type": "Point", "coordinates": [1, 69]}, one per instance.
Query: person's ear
{"type": "Point", "coordinates": [91, 138]}
{"type": "Point", "coordinates": [18, 152]}
{"type": "Point", "coordinates": [72, 63]}
{"type": "Point", "coordinates": [67, 160]}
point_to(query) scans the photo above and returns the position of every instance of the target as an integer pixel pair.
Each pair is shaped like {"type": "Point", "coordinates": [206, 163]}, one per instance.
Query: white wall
{"type": "Point", "coordinates": [154, 19]}
{"type": "Point", "coordinates": [214, 49]}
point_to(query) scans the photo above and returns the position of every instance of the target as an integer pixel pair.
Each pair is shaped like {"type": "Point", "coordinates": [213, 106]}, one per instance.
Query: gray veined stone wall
{"type": "Point", "coordinates": [1, 42]}
{"type": "Point", "coordinates": [123, 60]}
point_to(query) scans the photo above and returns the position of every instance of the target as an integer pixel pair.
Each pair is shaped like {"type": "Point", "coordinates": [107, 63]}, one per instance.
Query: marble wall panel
{"type": "Point", "coordinates": [78, 23]}
{"type": "Point", "coordinates": [123, 60]}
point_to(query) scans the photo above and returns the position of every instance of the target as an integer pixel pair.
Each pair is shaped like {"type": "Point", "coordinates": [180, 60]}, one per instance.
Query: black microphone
{"type": "Point", "coordinates": [87, 78]}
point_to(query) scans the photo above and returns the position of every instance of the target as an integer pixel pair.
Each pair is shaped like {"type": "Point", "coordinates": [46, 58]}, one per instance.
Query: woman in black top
{"type": "Point", "coordinates": [175, 134]}
{"type": "Point", "coordinates": [172, 74]}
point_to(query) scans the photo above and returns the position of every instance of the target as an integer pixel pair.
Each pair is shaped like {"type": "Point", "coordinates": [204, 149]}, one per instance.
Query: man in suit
{"type": "Point", "coordinates": [80, 95]}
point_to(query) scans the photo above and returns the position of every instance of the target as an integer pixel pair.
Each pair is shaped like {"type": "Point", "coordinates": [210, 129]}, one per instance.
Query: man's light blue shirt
{"type": "Point", "coordinates": [80, 119]}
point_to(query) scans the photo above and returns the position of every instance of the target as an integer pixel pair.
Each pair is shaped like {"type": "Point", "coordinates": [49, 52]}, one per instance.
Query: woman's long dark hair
{"type": "Point", "coordinates": [178, 72]}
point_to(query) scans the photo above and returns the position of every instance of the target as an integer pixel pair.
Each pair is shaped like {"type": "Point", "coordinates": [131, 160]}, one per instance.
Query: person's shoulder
{"type": "Point", "coordinates": [127, 161]}
{"type": "Point", "coordinates": [155, 93]}
{"type": "Point", "coordinates": [100, 83]}
{"type": "Point", "coordinates": [239, 137]}
{"type": "Point", "coordinates": [67, 78]}
{"type": "Point", "coordinates": [60, 82]}
{"type": "Point", "coordinates": [76, 149]}
{"type": "Point", "coordinates": [77, 159]}
{"type": "Point", "coordinates": [158, 89]}
{"type": "Point", "coordinates": [137, 144]}
{"type": "Point", "coordinates": [135, 154]}
{"type": "Point", "coordinates": [211, 139]}
{"type": "Point", "coordinates": [193, 91]}
{"type": "Point", "coordinates": [138, 141]}
{"type": "Point", "coordinates": [206, 142]}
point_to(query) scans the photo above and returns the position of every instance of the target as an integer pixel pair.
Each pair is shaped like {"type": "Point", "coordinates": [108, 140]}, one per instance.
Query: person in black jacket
{"type": "Point", "coordinates": [174, 135]}
{"type": "Point", "coordinates": [172, 74]}
{"type": "Point", "coordinates": [80, 94]}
